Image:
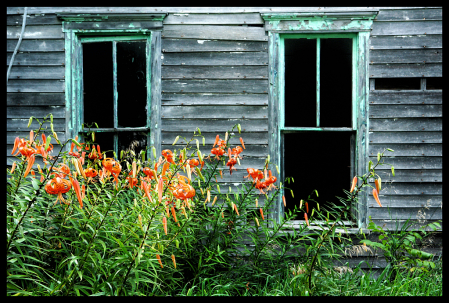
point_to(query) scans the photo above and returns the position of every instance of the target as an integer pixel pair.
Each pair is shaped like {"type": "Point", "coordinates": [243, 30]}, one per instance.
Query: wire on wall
{"type": "Point", "coordinates": [18, 44]}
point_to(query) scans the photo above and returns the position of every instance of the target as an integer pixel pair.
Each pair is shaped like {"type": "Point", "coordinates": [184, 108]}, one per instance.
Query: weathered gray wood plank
{"type": "Point", "coordinates": [409, 150]}
{"type": "Point", "coordinates": [406, 97]}
{"type": "Point", "coordinates": [214, 32]}
{"type": "Point", "coordinates": [214, 72]}
{"type": "Point", "coordinates": [195, 45]}
{"type": "Point", "coordinates": [413, 188]}
{"type": "Point", "coordinates": [406, 137]}
{"type": "Point", "coordinates": [115, 25]}
{"type": "Point", "coordinates": [36, 111]}
{"type": "Point", "coordinates": [53, 58]}
{"type": "Point", "coordinates": [406, 124]}
{"type": "Point", "coordinates": [35, 86]}
{"type": "Point", "coordinates": [215, 86]}
{"type": "Point", "coordinates": [250, 151]}
{"type": "Point", "coordinates": [32, 19]}
{"type": "Point", "coordinates": [251, 18]}
{"type": "Point", "coordinates": [405, 111]}
{"type": "Point", "coordinates": [215, 112]}
{"type": "Point", "coordinates": [405, 70]}
{"type": "Point", "coordinates": [36, 45]}
{"type": "Point", "coordinates": [406, 42]}
{"type": "Point", "coordinates": [35, 99]}
{"type": "Point", "coordinates": [22, 124]}
{"type": "Point", "coordinates": [391, 224]}
{"type": "Point", "coordinates": [35, 32]}
{"type": "Point", "coordinates": [407, 201]}
{"type": "Point", "coordinates": [411, 162]}
{"type": "Point", "coordinates": [410, 175]}
{"type": "Point", "coordinates": [410, 14]}
{"type": "Point", "coordinates": [407, 28]}
{"type": "Point", "coordinates": [214, 99]}
{"type": "Point", "coordinates": [216, 58]}
{"type": "Point", "coordinates": [11, 136]}
{"type": "Point", "coordinates": [37, 72]}
{"type": "Point", "coordinates": [383, 56]}
{"type": "Point", "coordinates": [248, 138]}
{"type": "Point", "coordinates": [406, 213]}
{"type": "Point", "coordinates": [214, 125]}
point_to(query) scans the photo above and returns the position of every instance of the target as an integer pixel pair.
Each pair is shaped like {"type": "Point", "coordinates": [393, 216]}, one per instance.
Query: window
{"type": "Point", "coordinates": [113, 79]}
{"type": "Point", "coordinates": [318, 104]}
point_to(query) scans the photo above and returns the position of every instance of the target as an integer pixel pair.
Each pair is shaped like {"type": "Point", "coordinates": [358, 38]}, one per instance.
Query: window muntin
{"type": "Point", "coordinates": [115, 90]}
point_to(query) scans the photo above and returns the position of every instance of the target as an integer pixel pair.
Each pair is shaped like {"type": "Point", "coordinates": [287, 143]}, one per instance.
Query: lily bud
{"type": "Point", "coordinates": [176, 140]}
{"type": "Point", "coordinates": [134, 169]}
{"type": "Point", "coordinates": [215, 199]}
{"type": "Point", "coordinates": [257, 221]}
{"type": "Point", "coordinates": [29, 121]}
{"type": "Point", "coordinates": [257, 201]}
{"type": "Point", "coordinates": [197, 144]}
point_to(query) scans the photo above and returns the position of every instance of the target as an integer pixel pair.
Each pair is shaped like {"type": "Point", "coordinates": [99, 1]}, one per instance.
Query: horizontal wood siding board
{"type": "Point", "coordinates": [35, 99]}
{"type": "Point", "coordinates": [214, 125]}
{"type": "Point", "coordinates": [406, 213]}
{"type": "Point", "coordinates": [252, 150]}
{"type": "Point", "coordinates": [406, 42]}
{"type": "Point", "coordinates": [114, 25]}
{"type": "Point", "coordinates": [414, 201]}
{"type": "Point", "coordinates": [37, 72]}
{"type": "Point", "coordinates": [214, 72]}
{"type": "Point", "coordinates": [418, 162]}
{"type": "Point", "coordinates": [215, 112]}
{"type": "Point", "coordinates": [410, 14]}
{"type": "Point", "coordinates": [33, 19]}
{"type": "Point", "coordinates": [11, 136]}
{"type": "Point", "coordinates": [410, 188]}
{"type": "Point", "coordinates": [216, 32]}
{"type": "Point", "coordinates": [406, 124]}
{"type": "Point", "coordinates": [405, 111]}
{"type": "Point", "coordinates": [407, 28]}
{"type": "Point", "coordinates": [22, 125]}
{"type": "Point", "coordinates": [409, 150]}
{"type": "Point", "coordinates": [34, 86]}
{"type": "Point", "coordinates": [209, 138]}
{"type": "Point", "coordinates": [53, 58]}
{"type": "Point", "coordinates": [405, 70]}
{"type": "Point", "coordinates": [406, 97]}
{"type": "Point", "coordinates": [410, 175]}
{"type": "Point", "coordinates": [215, 58]}
{"type": "Point", "coordinates": [35, 32]}
{"type": "Point", "coordinates": [215, 86]}
{"type": "Point", "coordinates": [213, 99]}
{"type": "Point", "coordinates": [41, 45]}
{"type": "Point", "coordinates": [251, 18]}
{"type": "Point", "coordinates": [392, 226]}
{"type": "Point", "coordinates": [406, 56]}
{"type": "Point", "coordinates": [196, 45]}
{"type": "Point", "coordinates": [36, 111]}
{"type": "Point", "coordinates": [406, 137]}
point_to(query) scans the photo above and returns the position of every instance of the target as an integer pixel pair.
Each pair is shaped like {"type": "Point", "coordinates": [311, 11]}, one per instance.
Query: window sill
{"type": "Point", "coordinates": [349, 228]}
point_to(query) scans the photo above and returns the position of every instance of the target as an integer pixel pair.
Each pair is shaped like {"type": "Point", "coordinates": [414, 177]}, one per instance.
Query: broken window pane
{"type": "Point", "coordinates": [131, 84]}
{"type": "Point", "coordinates": [98, 87]}
{"type": "Point", "coordinates": [336, 82]}
{"type": "Point", "coordinates": [300, 82]}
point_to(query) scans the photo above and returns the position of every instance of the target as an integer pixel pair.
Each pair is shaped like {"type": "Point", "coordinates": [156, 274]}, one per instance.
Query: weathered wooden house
{"type": "Point", "coordinates": [321, 90]}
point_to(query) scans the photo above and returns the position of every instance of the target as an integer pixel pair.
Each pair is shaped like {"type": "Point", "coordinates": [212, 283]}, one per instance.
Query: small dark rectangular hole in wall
{"type": "Point", "coordinates": [434, 83]}
{"type": "Point", "coordinates": [317, 160]}
{"type": "Point", "coordinates": [397, 83]}
{"type": "Point", "coordinates": [300, 82]}
{"type": "Point", "coordinates": [106, 141]}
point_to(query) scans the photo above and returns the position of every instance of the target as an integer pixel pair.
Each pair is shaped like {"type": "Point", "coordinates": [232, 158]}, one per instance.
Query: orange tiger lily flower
{"type": "Point", "coordinates": [76, 188]}
{"type": "Point", "coordinates": [354, 183]}
{"type": "Point", "coordinates": [174, 213]}
{"type": "Point", "coordinates": [216, 140]}
{"type": "Point", "coordinates": [30, 165]}
{"type": "Point", "coordinates": [236, 210]}
{"type": "Point", "coordinates": [31, 136]}
{"type": "Point", "coordinates": [16, 145]}
{"type": "Point", "coordinates": [307, 220]}
{"type": "Point", "coordinates": [159, 260]}
{"type": "Point", "coordinates": [241, 141]}
{"type": "Point", "coordinates": [58, 186]}
{"type": "Point", "coordinates": [165, 167]}
{"type": "Point", "coordinates": [283, 199]}
{"type": "Point", "coordinates": [261, 213]}
{"type": "Point", "coordinates": [159, 189]}
{"type": "Point", "coordinates": [164, 221]}
{"type": "Point", "coordinates": [376, 183]}
{"type": "Point", "coordinates": [376, 196]}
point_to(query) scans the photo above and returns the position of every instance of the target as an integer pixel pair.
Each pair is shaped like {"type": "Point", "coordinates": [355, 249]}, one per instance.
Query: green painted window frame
{"type": "Point", "coordinates": [87, 28]}
{"type": "Point", "coordinates": [356, 25]}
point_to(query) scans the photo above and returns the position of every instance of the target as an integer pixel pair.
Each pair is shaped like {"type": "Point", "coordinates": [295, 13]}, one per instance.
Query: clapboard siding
{"type": "Point", "coordinates": [213, 99]}
{"type": "Point", "coordinates": [418, 162]}
{"type": "Point", "coordinates": [44, 58]}
{"type": "Point", "coordinates": [36, 111]}
{"type": "Point", "coordinates": [216, 32]}
{"type": "Point", "coordinates": [405, 111]}
{"type": "Point", "coordinates": [406, 124]}
{"type": "Point", "coordinates": [407, 150]}
{"type": "Point", "coordinates": [409, 188]}
{"type": "Point", "coordinates": [406, 97]}
{"type": "Point", "coordinates": [195, 45]}
{"type": "Point", "coordinates": [35, 99]}
{"type": "Point", "coordinates": [215, 58]}
{"type": "Point", "coordinates": [410, 14]}
{"type": "Point", "coordinates": [43, 45]}
{"type": "Point", "coordinates": [11, 136]}
{"type": "Point", "coordinates": [215, 86]}
{"type": "Point", "coordinates": [410, 175]}
{"type": "Point", "coordinates": [214, 125]}
{"type": "Point", "coordinates": [35, 32]}
{"type": "Point", "coordinates": [406, 56]}
{"type": "Point", "coordinates": [406, 42]}
{"type": "Point", "coordinates": [397, 28]}
{"type": "Point", "coordinates": [214, 72]}
{"type": "Point", "coordinates": [251, 18]}
{"type": "Point", "coordinates": [35, 86]}
{"type": "Point", "coordinates": [37, 72]}
{"type": "Point", "coordinates": [405, 70]}
{"type": "Point", "coordinates": [406, 137]}
{"type": "Point", "coordinates": [17, 124]}
{"type": "Point", "coordinates": [33, 20]}
{"type": "Point", "coordinates": [406, 213]}
{"type": "Point", "coordinates": [214, 112]}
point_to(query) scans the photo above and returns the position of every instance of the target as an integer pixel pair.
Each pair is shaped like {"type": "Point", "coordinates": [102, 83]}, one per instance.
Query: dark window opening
{"type": "Point", "coordinates": [434, 83]}
{"type": "Point", "coordinates": [106, 142]}
{"type": "Point", "coordinates": [335, 82]}
{"type": "Point", "coordinates": [300, 82]}
{"type": "Point", "coordinates": [317, 160]}
{"type": "Point", "coordinates": [131, 84]}
{"type": "Point", "coordinates": [397, 83]}
{"type": "Point", "coordinates": [98, 84]}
